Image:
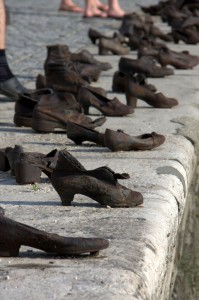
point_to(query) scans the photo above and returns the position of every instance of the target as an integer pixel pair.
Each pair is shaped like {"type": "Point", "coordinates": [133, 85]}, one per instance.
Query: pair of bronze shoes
{"type": "Point", "coordinates": [114, 140]}
{"type": "Point", "coordinates": [26, 167]}
{"type": "Point", "coordinates": [69, 177]}
{"type": "Point", "coordinates": [136, 87]}
{"type": "Point", "coordinates": [13, 235]}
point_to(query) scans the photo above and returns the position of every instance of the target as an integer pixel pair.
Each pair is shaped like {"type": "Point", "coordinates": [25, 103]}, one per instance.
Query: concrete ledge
{"type": "Point", "coordinates": [144, 241]}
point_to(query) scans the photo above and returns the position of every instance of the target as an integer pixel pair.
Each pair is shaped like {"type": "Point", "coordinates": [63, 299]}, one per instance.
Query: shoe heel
{"type": "Point", "coordinates": [66, 198]}
{"type": "Point", "coordinates": [131, 101]}
{"type": "Point", "coordinates": [9, 250]}
{"type": "Point", "coordinates": [86, 109]}
{"type": "Point", "coordinates": [27, 174]}
{"type": "Point", "coordinates": [22, 122]}
{"type": "Point", "coordinates": [116, 89]}
{"type": "Point", "coordinates": [43, 126]}
{"type": "Point", "coordinates": [93, 40]}
{"type": "Point", "coordinates": [103, 51]}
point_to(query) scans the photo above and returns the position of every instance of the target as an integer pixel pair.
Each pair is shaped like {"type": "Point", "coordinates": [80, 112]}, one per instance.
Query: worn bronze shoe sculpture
{"type": "Point", "coordinates": [13, 235]}
{"type": "Point", "coordinates": [107, 46]}
{"type": "Point", "coordinates": [53, 111]}
{"type": "Point", "coordinates": [134, 91]}
{"type": "Point", "coordinates": [120, 141]}
{"type": "Point", "coordinates": [179, 60]}
{"type": "Point", "coordinates": [26, 166]}
{"type": "Point", "coordinates": [78, 134]}
{"type": "Point", "coordinates": [69, 177]}
{"type": "Point", "coordinates": [25, 104]}
{"type": "Point", "coordinates": [120, 80]}
{"type": "Point", "coordinates": [143, 65]}
{"type": "Point", "coordinates": [88, 98]}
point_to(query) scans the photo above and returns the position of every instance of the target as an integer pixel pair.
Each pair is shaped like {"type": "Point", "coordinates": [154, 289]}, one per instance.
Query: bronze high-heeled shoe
{"type": "Point", "coordinates": [120, 141]}
{"type": "Point", "coordinates": [87, 98]}
{"type": "Point", "coordinates": [120, 80]}
{"type": "Point", "coordinates": [134, 91]}
{"type": "Point", "coordinates": [69, 177]}
{"type": "Point", "coordinates": [78, 134]}
{"type": "Point", "coordinates": [143, 65]}
{"type": "Point", "coordinates": [14, 234]}
{"type": "Point", "coordinates": [27, 166]}
{"type": "Point", "coordinates": [113, 46]}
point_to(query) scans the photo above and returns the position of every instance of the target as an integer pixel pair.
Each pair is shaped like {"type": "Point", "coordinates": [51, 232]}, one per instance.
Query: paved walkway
{"type": "Point", "coordinates": [139, 262]}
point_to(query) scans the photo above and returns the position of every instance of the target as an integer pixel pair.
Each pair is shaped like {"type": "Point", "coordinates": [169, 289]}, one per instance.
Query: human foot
{"type": "Point", "coordinates": [117, 13]}
{"type": "Point", "coordinates": [101, 6]}
{"type": "Point", "coordinates": [70, 6]}
{"type": "Point", "coordinates": [94, 13]}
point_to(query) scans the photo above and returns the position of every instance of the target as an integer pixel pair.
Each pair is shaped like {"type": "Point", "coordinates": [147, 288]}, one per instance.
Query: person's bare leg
{"type": "Point", "coordinates": [92, 10]}
{"type": "Point", "coordinates": [69, 5]}
{"type": "Point", "coordinates": [114, 9]}
{"type": "Point", "coordinates": [101, 5]}
{"type": "Point", "coordinates": [2, 25]}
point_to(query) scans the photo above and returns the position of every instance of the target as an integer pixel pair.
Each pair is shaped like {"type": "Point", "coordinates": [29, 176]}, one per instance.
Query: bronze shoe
{"type": "Point", "coordinates": [187, 35]}
{"type": "Point", "coordinates": [60, 54]}
{"type": "Point", "coordinates": [24, 106]}
{"type": "Point", "coordinates": [78, 134]}
{"type": "Point", "coordinates": [88, 98]}
{"type": "Point", "coordinates": [40, 82]}
{"type": "Point", "coordinates": [143, 65]}
{"type": "Point", "coordinates": [14, 234]}
{"type": "Point", "coordinates": [88, 72]}
{"type": "Point", "coordinates": [107, 46]}
{"type": "Point", "coordinates": [62, 79]}
{"type": "Point", "coordinates": [4, 163]}
{"type": "Point", "coordinates": [54, 110]}
{"type": "Point", "coordinates": [69, 177]}
{"type": "Point", "coordinates": [179, 60]}
{"type": "Point", "coordinates": [134, 91]}
{"type": "Point", "coordinates": [95, 36]}
{"type": "Point", "coordinates": [120, 80]}
{"type": "Point", "coordinates": [120, 141]}
{"type": "Point", "coordinates": [156, 32]}
{"type": "Point", "coordinates": [86, 57]}
{"type": "Point", "coordinates": [27, 166]}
